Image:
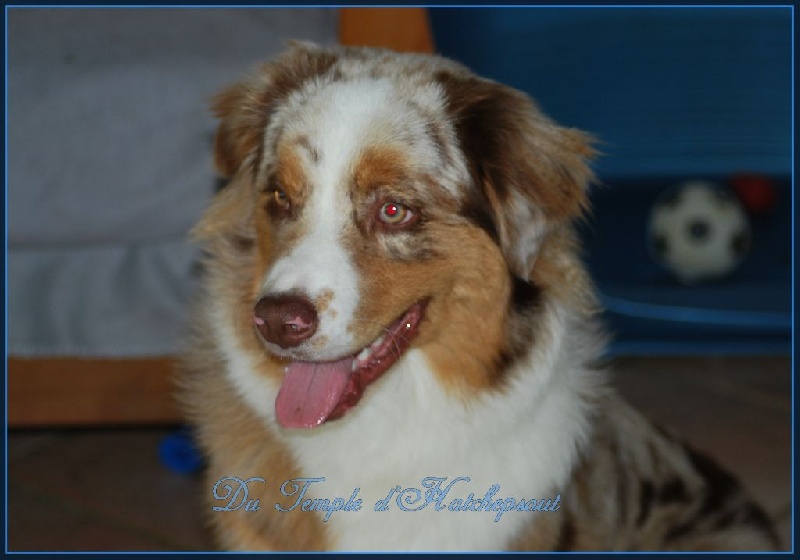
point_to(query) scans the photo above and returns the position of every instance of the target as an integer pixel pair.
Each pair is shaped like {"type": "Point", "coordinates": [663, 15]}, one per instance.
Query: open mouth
{"type": "Point", "coordinates": [313, 393]}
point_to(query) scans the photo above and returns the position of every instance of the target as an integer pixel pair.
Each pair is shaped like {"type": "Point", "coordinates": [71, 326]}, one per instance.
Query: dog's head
{"type": "Point", "coordinates": [381, 201]}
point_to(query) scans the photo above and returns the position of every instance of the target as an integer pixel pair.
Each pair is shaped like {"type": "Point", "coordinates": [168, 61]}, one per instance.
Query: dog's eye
{"type": "Point", "coordinates": [395, 214]}
{"type": "Point", "coordinates": [280, 200]}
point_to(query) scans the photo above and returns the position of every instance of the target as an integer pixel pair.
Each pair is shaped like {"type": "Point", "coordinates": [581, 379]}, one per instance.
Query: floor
{"type": "Point", "coordinates": [106, 489]}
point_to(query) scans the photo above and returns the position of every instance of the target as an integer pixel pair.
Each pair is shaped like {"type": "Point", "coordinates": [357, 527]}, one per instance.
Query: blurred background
{"type": "Point", "coordinates": [673, 95]}
{"type": "Point", "coordinates": [109, 165]}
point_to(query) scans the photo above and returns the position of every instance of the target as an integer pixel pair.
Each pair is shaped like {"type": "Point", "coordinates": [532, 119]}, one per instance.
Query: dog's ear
{"type": "Point", "coordinates": [531, 174]}
{"type": "Point", "coordinates": [236, 139]}
{"type": "Point", "coordinates": [245, 109]}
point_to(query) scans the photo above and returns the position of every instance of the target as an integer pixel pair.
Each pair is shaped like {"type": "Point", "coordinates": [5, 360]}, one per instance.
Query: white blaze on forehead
{"type": "Point", "coordinates": [339, 120]}
{"type": "Point", "coordinates": [345, 117]}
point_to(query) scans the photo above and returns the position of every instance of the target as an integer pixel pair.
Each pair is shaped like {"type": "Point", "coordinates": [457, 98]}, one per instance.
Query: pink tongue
{"type": "Point", "coordinates": [310, 392]}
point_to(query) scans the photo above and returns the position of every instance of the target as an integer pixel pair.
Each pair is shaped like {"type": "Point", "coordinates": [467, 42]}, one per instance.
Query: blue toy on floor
{"type": "Point", "coordinates": [178, 452]}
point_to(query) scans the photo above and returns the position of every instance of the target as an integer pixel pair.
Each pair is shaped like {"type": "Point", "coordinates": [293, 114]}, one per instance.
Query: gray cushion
{"type": "Point", "coordinates": [109, 164]}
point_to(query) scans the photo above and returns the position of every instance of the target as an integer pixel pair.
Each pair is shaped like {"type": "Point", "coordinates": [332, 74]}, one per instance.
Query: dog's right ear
{"type": "Point", "coordinates": [236, 139]}
{"type": "Point", "coordinates": [245, 109]}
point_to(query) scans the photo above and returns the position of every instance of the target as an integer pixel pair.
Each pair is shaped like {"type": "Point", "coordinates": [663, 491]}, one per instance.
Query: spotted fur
{"type": "Point", "coordinates": [500, 382]}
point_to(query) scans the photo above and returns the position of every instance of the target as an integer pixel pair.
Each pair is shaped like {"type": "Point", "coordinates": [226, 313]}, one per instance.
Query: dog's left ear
{"type": "Point", "coordinates": [531, 174]}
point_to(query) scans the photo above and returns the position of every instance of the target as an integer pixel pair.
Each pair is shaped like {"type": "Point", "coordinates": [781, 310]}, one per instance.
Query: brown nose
{"type": "Point", "coordinates": [285, 320]}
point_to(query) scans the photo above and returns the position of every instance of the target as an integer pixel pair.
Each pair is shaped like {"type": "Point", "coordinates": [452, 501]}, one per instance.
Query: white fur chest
{"type": "Point", "coordinates": [408, 428]}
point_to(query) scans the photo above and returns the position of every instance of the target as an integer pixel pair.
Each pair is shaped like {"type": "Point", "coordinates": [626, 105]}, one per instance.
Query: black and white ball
{"type": "Point", "coordinates": [699, 231]}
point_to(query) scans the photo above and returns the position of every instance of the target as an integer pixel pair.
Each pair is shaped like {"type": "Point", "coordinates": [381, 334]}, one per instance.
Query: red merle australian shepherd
{"type": "Point", "coordinates": [396, 349]}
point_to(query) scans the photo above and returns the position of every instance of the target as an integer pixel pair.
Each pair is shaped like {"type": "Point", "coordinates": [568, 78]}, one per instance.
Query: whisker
{"type": "Point", "coordinates": [394, 336]}
{"type": "Point", "coordinates": [394, 339]}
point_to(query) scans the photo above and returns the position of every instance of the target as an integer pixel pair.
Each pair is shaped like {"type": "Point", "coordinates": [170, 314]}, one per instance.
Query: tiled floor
{"type": "Point", "coordinates": [106, 489]}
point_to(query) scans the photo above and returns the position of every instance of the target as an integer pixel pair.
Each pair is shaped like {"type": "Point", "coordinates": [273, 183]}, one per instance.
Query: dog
{"type": "Point", "coordinates": [397, 345]}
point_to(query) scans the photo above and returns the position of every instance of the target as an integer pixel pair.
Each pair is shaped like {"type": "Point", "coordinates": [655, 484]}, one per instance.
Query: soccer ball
{"type": "Point", "coordinates": [698, 231]}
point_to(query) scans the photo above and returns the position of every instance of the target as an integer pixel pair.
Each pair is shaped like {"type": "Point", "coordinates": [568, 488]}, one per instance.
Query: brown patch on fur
{"type": "Point", "coordinates": [469, 289]}
{"type": "Point", "coordinates": [289, 175]}
{"type": "Point", "coordinates": [323, 301]}
{"type": "Point", "coordinates": [318, 342]}
{"type": "Point", "coordinates": [380, 166]}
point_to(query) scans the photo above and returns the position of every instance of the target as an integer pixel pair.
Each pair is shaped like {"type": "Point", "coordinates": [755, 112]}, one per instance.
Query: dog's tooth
{"type": "Point", "coordinates": [354, 366]}
{"type": "Point", "coordinates": [379, 341]}
{"type": "Point", "coordinates": [363, 355]}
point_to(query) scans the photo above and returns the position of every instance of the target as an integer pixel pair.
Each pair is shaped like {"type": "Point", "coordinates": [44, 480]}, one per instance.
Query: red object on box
{"type": "Point", "coordinates": [757, 193]}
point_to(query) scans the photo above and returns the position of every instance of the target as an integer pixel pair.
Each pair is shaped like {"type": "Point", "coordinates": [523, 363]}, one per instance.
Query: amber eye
{"type": "Point", "coordinates": [395, 214]}
{"type": "Point", "coordinates": [280, 199]}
